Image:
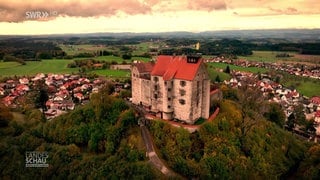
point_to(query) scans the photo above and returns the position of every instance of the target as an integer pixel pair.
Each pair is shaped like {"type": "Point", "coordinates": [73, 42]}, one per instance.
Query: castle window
{"type": "Point", "coordinates": [182, 83]}
{"type": "Point", "coordinates": [155, 87]}
{"type": "Point", "coordinates": [182, 101]}
{"type": "Point", "coordinates": [169, 107]}
{"type": "Point", "coordinates": [169, 99]}
{"type": "Point", "coordinates": [155, 79]}
{"type": "Point", "coordinates": [182, 92]}
{"type": "Point", "coordinates": [155, 96]}
{"type": "Point", "coordinates": [169, 89]}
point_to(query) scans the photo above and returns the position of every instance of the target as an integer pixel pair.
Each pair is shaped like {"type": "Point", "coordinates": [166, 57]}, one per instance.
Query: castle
{"type": "Point", "coordinates": [174, 87]}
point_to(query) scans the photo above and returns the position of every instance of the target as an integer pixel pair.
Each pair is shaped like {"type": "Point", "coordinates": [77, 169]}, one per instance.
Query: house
{"type": "Point", "coordinates": [58, 98]}
{"type": "Point", "coordinates": [175, 87]}
{"type": "Point", "coordinates": [2, 91]}
{"type": "Point", "coordinates": [121, 67]}
{"type": "Point", "coordinates": [79, 96]}
{"type": "Point", "coordinates": [317, 117]}
{"type": "Point", "coordinates": [24, 81]}
{"type": "Point", "coordinates": [315, 100]}
{"type": "Point", "coordinates": [22, 87]}
{"type": "Point", "coordinates": [8, 100]}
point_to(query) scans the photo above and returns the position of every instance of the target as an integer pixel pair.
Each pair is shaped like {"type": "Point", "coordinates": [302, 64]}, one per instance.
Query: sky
{"type": "Point", "coordinates": [24, 17]}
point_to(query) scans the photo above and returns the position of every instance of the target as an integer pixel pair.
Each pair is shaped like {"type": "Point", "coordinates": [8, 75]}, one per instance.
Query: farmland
{"type": "Point", "coordinates": [270, 56]}
{"type": "Point", "coordinates": [34, 67]}
{"type": "Point", "coordinates": [237, 68]}
{"type": "Point", "coordinates": [306, 86]}
{"type": "Point", "coordinates": [59, 66]}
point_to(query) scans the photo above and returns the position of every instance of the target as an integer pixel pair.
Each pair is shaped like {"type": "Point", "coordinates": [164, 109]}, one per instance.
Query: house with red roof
{"type": "Point", "coordinates": [174, 87]}
{"type": "Point", "coordinates": [315, 100]}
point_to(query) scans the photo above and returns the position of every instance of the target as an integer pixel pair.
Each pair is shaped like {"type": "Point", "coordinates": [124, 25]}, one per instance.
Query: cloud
{"type": "Point", "coordinates": [208, 5]}
{"type": "Point", "coordinates": [287, 11]}
{"type": "Point", "coordinates": [15, 11]}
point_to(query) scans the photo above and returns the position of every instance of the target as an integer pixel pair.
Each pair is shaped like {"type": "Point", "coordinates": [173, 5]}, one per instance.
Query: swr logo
{"type": "Point", "coordinates": [39, 14]}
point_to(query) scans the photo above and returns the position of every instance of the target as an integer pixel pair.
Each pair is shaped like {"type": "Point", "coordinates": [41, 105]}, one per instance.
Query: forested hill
{"type": "Point", "coordinates": [102, 140]}
{"type": "Point", "coordinates": [239, 144]}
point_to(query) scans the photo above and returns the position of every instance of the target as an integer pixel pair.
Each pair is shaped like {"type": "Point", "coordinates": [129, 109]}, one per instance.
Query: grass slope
{"type": "Point", "coordinates": [238, 68]}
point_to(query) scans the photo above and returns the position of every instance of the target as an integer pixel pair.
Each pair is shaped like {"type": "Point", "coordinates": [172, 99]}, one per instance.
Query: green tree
{"type": "Point", "coordinates": [276, 114]}
{"type": "Point", "coordinates": [218, 79]}
{"type": "Point", "coordinates": [41, 95]}
{"type": "Point", "coordinates": [291, 121]}
{"type": "Point", "coordinates": [227, 70]}
{"type": "Point", "coordinates": [5, 115]}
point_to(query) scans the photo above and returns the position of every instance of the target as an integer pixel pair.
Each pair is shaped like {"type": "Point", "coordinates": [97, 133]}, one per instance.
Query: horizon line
{"type": "Point", "coordinates": [159, 32]}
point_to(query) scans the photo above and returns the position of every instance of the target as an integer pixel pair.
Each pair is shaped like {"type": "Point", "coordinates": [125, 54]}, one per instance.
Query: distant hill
{"type": "Point", "coordinates": [289, 34]}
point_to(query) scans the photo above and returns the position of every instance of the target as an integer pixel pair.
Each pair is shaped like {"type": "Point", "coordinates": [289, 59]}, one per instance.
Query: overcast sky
{"type": "Point", "coordinates": [84, 16]}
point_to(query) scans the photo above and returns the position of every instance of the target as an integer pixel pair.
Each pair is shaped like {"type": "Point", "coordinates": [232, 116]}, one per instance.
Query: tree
{"type": "Point", "coordinates": [310, 127]}
{"type": "Point", "coordinates": [126, 56]}
{"type": "Point", "coordinates": [217, 79]}
{"type": "Point", "coordinates": [299, 114]}
{"type": "Point", "coordinates": [275, 114]}
{"type": "Point", "coordinates": [297, 117]}
{"type": "Point", "coordinates": [277, 80]}
{"type": "Point", "coordinates": [291, 121]}
{"type": "Point", "coordinates": [227, 70]}
{"type": "Point", "coordinates": [5, 115]}
{"type": "Point", "coordinates": [41, 96]}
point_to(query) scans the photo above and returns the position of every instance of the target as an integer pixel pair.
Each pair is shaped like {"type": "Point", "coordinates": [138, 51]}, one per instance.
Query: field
{"type": "Point", "coordinates": [112, 73]}
{"type": "Point", "coordinates": [270, 56]}
{"type": "Point", "coordinates": [266, 56]}
{"type": "Point", "coordinates": [214, 73]}
{"type": "Point", "coordinates": [237, 68]}
{"type": "Point", "coordinates": [34, 67]}
{"type": "Point", "coordinates": [137, 49]}
{"type": "Point", "coordinates": [85, 48]}
{"type": "Point", "coordinates": [306, 87]}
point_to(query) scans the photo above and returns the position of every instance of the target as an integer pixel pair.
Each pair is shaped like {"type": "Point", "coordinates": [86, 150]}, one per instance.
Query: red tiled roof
{"type": "Point", "coordinates": [170, 67]}
{"type": "Point", "coordinates": [315, 100]}
{"type": "Point", "coordinates": [144, 67]}
{"type": "Point", "coordinates": [317, 114]}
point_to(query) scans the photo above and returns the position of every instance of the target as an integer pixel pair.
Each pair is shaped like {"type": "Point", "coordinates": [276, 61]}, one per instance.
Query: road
{"type": "Point", "coordinates": [153, 157]}
{"type": "Point", "coordinates": [151, 153]}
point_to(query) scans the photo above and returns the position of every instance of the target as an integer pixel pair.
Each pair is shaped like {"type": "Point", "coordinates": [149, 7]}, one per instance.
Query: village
{"type": "Point", "coordinates": [275, 92]}
{"type": "Point", "coordinates": [310, 71]}
{"type": "Point", "coordinates": [65, 91]}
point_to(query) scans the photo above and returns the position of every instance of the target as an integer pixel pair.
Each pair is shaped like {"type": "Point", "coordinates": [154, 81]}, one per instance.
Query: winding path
{"type": "Point", "coordinates": [151, 153]}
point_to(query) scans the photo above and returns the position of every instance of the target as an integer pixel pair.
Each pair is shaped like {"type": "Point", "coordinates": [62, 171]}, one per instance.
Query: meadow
{"type": "Point", "coordinates": [305, 86]}
{"type": "Point", "coordinates": [266, 56]}
{"type": "Point", "coordinates": [34, 67]}
{"type": "Point", "coordinates": [60, 66]}
{"type": "Point", "coordinates": [270, 56]}
{"type": "Point", "coordinates": [83, 48]}
{"type": "Point", "coordinates": [213, 73]}
{"type": "Point", "coordinates": [137, 49]}
{"type": "Point", "coordinates": [237, 68]}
